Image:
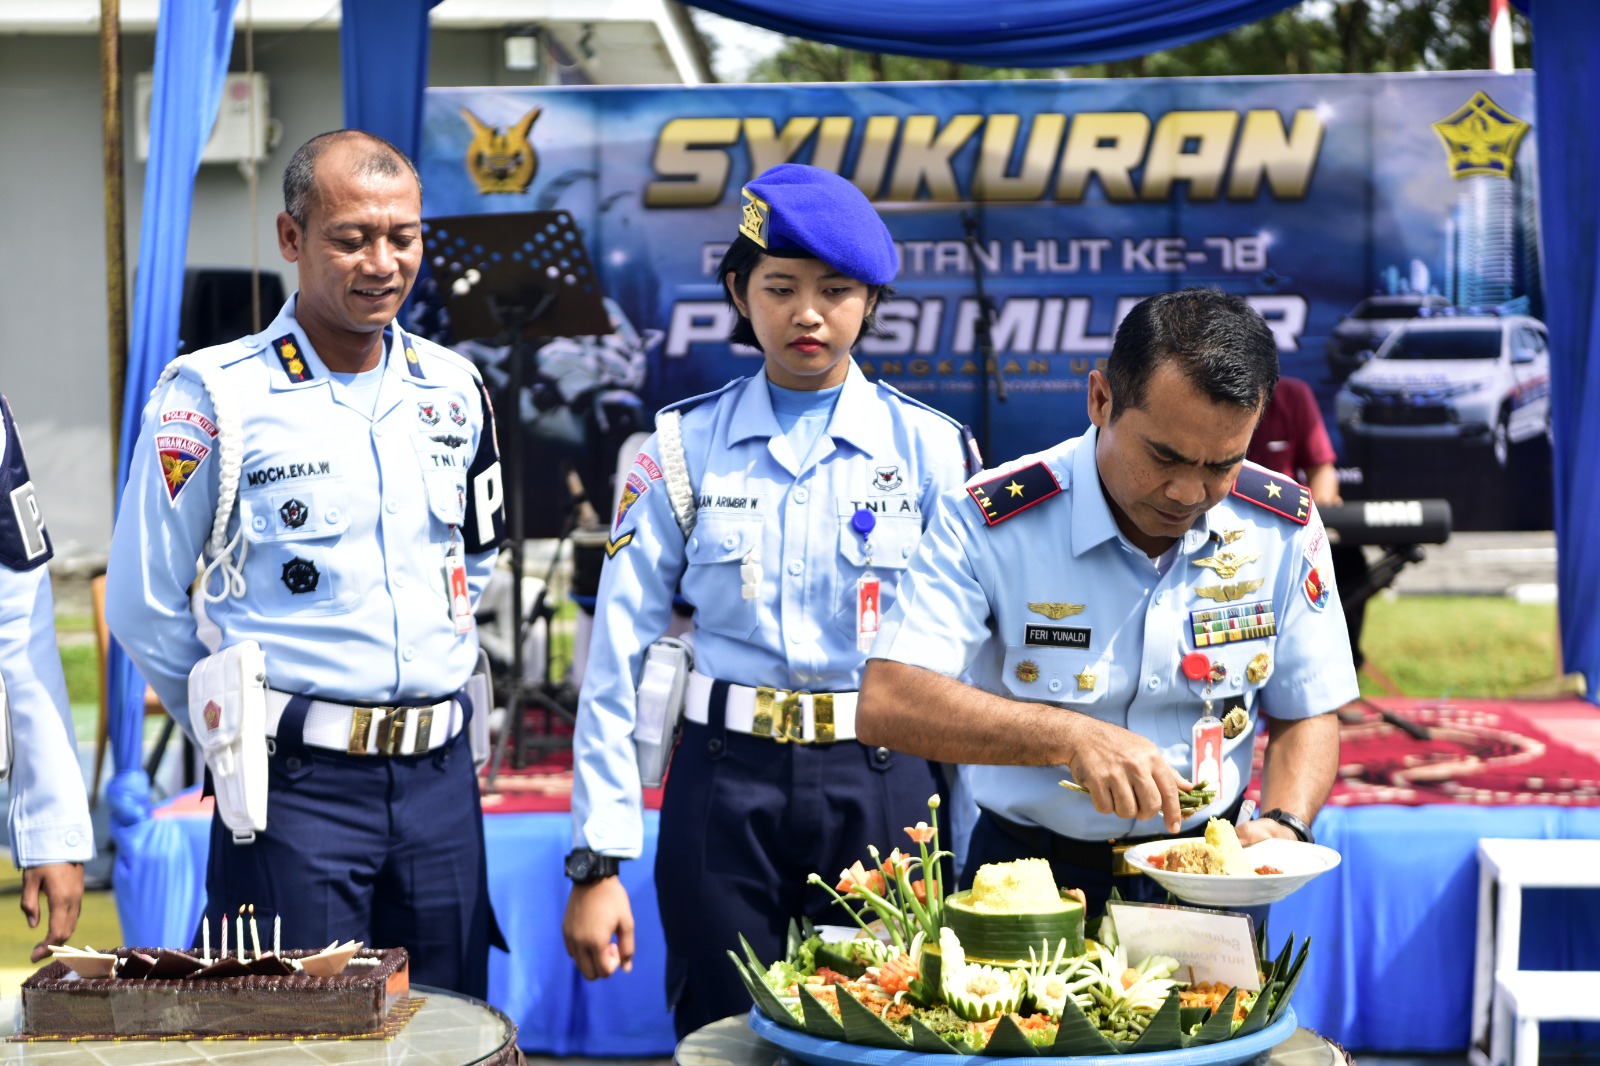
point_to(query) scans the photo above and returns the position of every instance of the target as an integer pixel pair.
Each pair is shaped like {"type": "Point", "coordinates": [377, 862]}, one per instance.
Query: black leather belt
{"type": "Point", "coordinates": [1106, 856]}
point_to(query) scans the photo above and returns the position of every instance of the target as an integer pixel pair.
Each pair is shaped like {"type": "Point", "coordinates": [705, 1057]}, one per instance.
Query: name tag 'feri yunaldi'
{"type": "Point", "coordinates": [1056, 636]}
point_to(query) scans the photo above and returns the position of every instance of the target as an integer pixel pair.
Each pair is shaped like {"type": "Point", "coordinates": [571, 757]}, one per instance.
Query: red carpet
{"type": "Point", "coordinates": [1485, 752]}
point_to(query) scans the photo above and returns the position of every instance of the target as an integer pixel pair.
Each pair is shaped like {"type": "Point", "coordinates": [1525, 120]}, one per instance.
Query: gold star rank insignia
{"type": "Point", "coordinates": [289, 357]}
{"type": "Point", "coordinates": [1227, 564]}
{"type": "Point", "coordinates": [1010, 493]}
{"type": "Point", "coordinates": [1056, 611]}
{"type": "Point", "coordinates": [1085, 681]}
{"type": "Point", "coordinates": [1027, 671]}
{"type": "Point", "coordinates": [1264, 488]}
{"type": "Point", "coordinates": [414, 364]}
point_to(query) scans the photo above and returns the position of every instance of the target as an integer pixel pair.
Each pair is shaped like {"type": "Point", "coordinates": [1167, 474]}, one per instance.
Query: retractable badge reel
{"type": "Point", "coordinates": [455, 576]}
{"type": "Point", "coordinates": [868, 601]}
{"type": "Point", "coordinates": [1207, 734]}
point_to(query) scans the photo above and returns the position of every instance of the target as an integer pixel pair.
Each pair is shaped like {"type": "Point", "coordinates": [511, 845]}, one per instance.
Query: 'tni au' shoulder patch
{"type": "Point", "coordinates": [1014, 492]}
{"type": "Point", "coordinates": [1278, 494]}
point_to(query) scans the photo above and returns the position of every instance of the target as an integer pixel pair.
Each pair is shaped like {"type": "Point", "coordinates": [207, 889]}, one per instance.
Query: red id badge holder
{"type": "Point", "coordinates": [455, 574]}
{"type": "Point", "coordinates": [869, 597]}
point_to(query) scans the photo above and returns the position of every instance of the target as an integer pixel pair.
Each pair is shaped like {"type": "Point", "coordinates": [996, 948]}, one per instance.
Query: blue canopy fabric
{"type": "Point", "coordinates": [384, 49]}
{"type": "Point", "coordinates": [1566, 33]}
{"type": "Point", "coordinates": [193, 45]}
{"type": "Point", "coordinates": [1002, 33]}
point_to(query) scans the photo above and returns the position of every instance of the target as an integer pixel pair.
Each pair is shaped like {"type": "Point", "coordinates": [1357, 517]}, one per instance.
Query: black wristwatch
{"type": "Point", "coordinates": [585, 867]}
{"type": "Point", "coordinates": [1290, 822]}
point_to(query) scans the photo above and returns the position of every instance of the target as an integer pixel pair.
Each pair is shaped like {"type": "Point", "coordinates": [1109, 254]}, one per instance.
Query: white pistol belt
{"type": "Point", "coordinates": [780, 714]}
{"type": "Point", "coordinates": [383, 730]}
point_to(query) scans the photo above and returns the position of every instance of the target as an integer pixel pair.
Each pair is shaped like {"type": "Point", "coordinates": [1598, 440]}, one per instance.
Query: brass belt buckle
{"type": "Point", "coordinates": [782, 715]}
{"type": "Point", "coordinates": [360, 727]}
{"type": "Point", "coordinates": [392, 731]}
{"type": "Point", "coordinates": [1120, 866]}
{"type": "Point", "coordinates": [761, 724]}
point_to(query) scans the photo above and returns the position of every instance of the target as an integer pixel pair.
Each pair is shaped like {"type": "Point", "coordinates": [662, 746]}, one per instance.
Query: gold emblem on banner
{"type": "Point", "coordinates": [1228, 593]}
{"type": "Point", "coordinates": [1057, 611]}
{"type": "Point", "coordinates": [501, 161]}
{"type": "Point", "coordinates": [1227, 564]}
{"type": "Point", "coordinates": [1481, 137]}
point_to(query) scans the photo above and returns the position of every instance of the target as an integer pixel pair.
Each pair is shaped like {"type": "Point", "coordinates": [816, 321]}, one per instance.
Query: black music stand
{"type": "Point", "coordinates": [516, 278]}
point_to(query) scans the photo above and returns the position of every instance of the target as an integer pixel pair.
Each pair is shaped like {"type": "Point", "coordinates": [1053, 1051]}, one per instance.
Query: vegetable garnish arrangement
{"type": "Point", "coordinates": [1003, 969]}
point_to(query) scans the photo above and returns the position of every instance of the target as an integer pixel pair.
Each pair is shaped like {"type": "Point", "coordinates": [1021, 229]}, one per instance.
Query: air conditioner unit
{"type": "Point", "coordinates": [243, 96]}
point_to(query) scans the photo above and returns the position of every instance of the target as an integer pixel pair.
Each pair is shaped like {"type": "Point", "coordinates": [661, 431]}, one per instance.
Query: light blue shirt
{"type": "Point", "coordinates": [972, 590]}
{"type": "Point", "coordinates": [756, 500]}
{"type": "Point", "coordinates": [49, 817]}
{"type": "Point", "coordinates": [345, 511]}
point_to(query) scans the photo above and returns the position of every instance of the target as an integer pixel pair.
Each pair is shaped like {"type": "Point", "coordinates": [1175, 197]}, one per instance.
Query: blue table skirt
{"type": "Point", "coordinates": [1393, 928]}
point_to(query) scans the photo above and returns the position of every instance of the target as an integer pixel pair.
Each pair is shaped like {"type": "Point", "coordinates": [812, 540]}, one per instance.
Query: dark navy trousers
{"type": "Point", "coordinates": [383, 849]}
{"type": "Point", "coordinates": [744, 821]}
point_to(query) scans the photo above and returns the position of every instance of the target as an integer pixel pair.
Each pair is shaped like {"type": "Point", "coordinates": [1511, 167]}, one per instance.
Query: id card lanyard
{"type": "Point", "coordinates": [869, 602]}
{"type": "Point", "coordinates": [1206, 737]}
{"type": "Point", "coordinates": [455, 579]}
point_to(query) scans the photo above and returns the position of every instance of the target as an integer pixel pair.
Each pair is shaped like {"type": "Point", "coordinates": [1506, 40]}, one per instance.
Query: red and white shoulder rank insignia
{"type": "Point", "coordinates": [1278, 494]}
{"type": "Point", "coordinates": [1013, 492]}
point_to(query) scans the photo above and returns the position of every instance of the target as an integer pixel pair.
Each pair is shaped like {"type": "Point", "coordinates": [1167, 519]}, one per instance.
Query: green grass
{"type": "Point", "coordinates": [1460, 645]}
{"type": "Point", "coordinates": [82, 667]}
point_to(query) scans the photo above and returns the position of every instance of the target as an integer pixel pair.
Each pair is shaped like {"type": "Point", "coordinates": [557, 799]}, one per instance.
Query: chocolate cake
{"type": "Point", "coordinates": [56, 1002]}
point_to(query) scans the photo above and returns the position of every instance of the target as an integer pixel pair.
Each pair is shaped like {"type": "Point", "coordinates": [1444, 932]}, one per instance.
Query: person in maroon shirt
{"type": "Point", "coordinates": [1292, 439]}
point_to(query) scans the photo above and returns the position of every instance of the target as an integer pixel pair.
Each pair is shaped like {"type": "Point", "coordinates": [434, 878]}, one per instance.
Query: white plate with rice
{"type": "Point", "coordinates": [1298, 862]}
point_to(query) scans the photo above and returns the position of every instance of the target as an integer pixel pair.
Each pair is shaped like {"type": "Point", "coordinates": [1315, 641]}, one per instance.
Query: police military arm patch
{"type": "Point", "coordinates": [1013, 492]}
{"type": "Point", "coordinates": [485, 523]}
{"type": "Point", "coordinates": [24, 544]}
{"type": "Point", "coordinates": [1278, 494]}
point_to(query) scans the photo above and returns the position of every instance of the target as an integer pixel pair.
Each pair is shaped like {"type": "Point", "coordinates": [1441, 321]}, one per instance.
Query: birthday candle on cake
{"type": "Point", "coordinates": [238, 932]}
{"type": "Point", "coordinates": [255, 934]}
{"type": "Point", "coordinates": [205, 937]}
{"type": "Point", "coordinates": [223, 921]}
{"type": "Point", "coordinates": [277, 927]}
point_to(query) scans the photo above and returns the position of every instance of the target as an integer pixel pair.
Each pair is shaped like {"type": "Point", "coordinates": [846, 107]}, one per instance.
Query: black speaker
{"type": "Point", "coordinates": [216, 305]}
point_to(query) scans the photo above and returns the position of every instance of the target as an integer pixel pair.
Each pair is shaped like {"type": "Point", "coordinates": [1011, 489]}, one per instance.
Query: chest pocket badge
{"type": "Point", "coordinates": [295, 513]}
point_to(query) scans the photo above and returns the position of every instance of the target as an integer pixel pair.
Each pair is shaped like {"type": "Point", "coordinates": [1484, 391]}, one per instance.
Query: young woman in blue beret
{"type": "Point", "coordinates": [800, 494]}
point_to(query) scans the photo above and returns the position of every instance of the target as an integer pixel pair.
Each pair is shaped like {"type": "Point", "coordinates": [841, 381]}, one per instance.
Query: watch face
{"type": "Point", "coordinates": [580, 865]}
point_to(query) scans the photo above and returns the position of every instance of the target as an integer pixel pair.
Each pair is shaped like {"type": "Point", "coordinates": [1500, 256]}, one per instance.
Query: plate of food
{"type": "Point", "coordinates": [1218, 872]}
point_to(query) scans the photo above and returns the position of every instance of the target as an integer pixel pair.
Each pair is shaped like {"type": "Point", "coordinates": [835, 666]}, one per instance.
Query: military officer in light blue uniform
{"type": "Point", "coordinates": [51, 837]}
{"type": "Point", "coordinates": [340, 478]}
{"type": "Point", "coordinates": [1109, 592]}
{"type": "Point", "coordinates": [810, 487]}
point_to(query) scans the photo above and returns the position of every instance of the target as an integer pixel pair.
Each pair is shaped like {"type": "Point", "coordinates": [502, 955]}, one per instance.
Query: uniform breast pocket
{"type": "Point", "coordinates": [1076, 678]}
{"type": "Point", "coordinates": [447, 495]}
{"type": "Point", "coordinates": [892, 541]}
{"type": "Point", "coordinates": [294, 534]}
{"type": "Point", "coordinates": [715, 554]}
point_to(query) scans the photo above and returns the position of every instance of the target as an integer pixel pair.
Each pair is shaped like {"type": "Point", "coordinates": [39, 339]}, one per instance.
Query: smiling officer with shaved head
{"type": "Point", "coordinates": [337, 479]}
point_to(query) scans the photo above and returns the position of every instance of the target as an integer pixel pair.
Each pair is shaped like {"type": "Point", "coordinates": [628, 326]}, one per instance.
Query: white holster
{"type": "Point", "coordinates": [663, 683]}
{"type": "Point", "coordinates": [5, 732]}
{"type": "Point", "coordinates": [480, 690]}
{"type": "Point", "coordinates": [228, 715]}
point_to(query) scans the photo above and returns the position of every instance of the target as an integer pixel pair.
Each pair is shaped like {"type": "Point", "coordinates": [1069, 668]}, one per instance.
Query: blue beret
{"type": "Point", "coordinates": [794, 210]}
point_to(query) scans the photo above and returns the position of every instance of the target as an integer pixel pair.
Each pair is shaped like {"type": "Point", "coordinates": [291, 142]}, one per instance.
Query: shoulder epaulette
{"type": "Point", "coordinates": [969, 443]}
{"type": "Point", "coordinates": [695, 401]}
{"type": "Point", "coordinates": [1278, 494]}
{"type": "Point", "coordinates": [416, 346]}
{"type": "Point", "coordinates": [1013, 492]}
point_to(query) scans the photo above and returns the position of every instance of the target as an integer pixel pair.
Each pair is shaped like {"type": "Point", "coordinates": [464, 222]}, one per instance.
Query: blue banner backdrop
{"type": "Point", "coordinates": [1305, 195]}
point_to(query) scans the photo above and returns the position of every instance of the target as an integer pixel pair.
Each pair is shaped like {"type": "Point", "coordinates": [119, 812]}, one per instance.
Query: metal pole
{"type": "Point", "coordinates": [116, 265]}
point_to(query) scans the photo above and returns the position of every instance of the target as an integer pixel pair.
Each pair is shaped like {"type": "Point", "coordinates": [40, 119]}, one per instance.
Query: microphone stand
{"type": "Point", "coordinates": [983, 330]}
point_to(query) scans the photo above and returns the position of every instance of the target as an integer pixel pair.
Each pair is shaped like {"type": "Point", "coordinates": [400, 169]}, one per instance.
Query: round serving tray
{"type": "Point", "coordinates": [820, 1052]}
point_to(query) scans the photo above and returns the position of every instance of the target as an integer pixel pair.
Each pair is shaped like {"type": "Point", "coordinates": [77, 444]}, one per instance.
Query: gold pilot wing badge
{"type": "Point", "coordinates": [1238, 590]}
{"type": "Point", "coordinates": [1227, 564]}
{"type": "Point", "coordinates": [1057, 611]}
